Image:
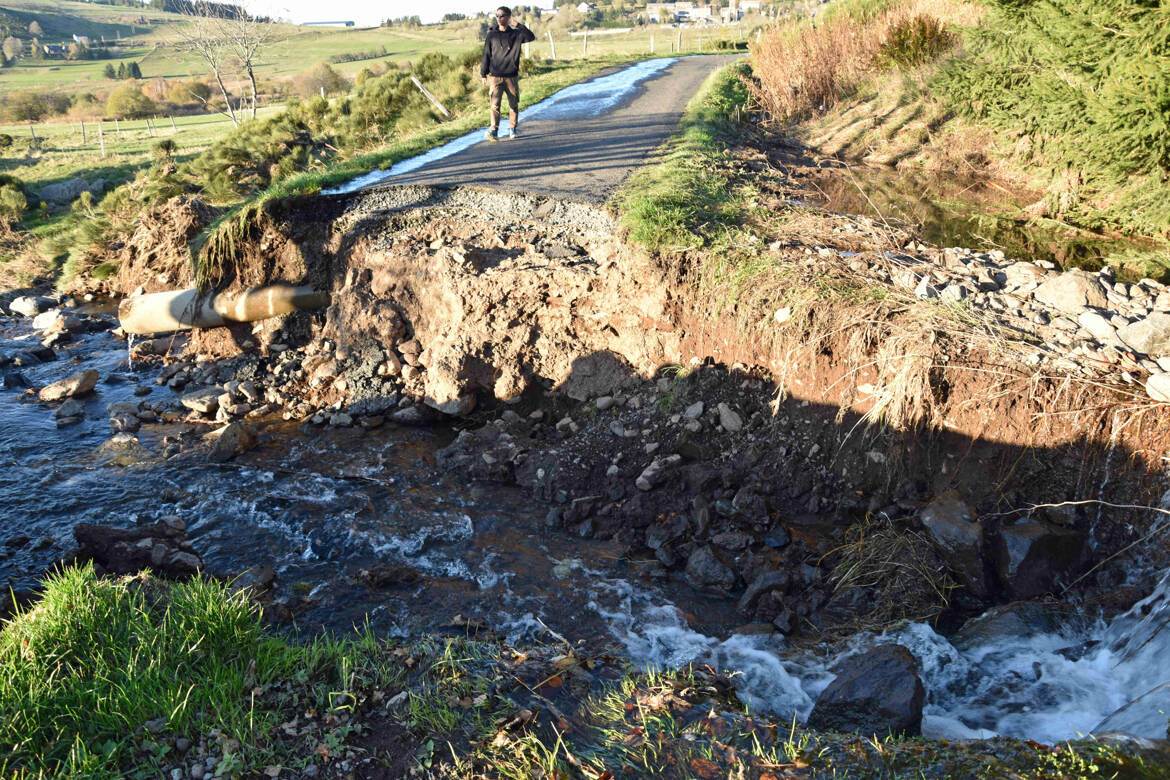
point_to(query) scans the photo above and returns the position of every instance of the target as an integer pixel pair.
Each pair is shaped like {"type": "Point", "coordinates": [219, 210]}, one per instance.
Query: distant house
{"type": "Point", "coordinates": [55, 49]}
{"type": "Point", "coordinates": [82, 40]}
{"type": "Point", "coordinates": [585, 8]}
{"type": "Point", "coordinates": [669, 12]}
{"type": "Point", "coordinates": [327, 24]}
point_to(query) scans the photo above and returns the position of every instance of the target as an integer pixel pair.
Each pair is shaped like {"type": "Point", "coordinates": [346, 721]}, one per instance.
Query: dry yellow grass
{"type": "Point", "coordinates": [803, 68]}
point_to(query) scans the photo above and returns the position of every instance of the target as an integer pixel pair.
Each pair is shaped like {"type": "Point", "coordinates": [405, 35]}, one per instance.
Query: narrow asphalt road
{"type": "Point", "coordinates": [586, 151]}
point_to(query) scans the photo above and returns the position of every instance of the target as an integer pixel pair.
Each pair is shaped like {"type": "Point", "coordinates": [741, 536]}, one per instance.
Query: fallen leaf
{"type": "Point", "coordinates": [708, 770]}
{"type": "Point", "coordinates": [272, 771]}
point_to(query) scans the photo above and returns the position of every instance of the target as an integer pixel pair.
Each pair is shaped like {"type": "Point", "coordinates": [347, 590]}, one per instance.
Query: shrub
{"type": "Point", "coordinates": [319, 78]}
{"type": "Point", "coordinates": [164, 150]}
{"type": "Point", "coordinates": [5, 140]}
{"type": "Point", "coordinates": [914, 40]}
{"type": "Point", "coordinates": [126, 101]}
{"type": "Point", "coordinates": [13, 203]}
{"type": "Point", "coordinates": [1029, 69]}
{"type": "Point", "coordinates": [182, 92]}
{"type": "Point", "coordinates": [432, 66]}
{"type": "Point", "coordinates": [26, 107]}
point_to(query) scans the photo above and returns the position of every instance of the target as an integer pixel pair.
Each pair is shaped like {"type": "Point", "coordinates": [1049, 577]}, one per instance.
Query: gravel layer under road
{"type": "Point", "coordinates": [584, 158]}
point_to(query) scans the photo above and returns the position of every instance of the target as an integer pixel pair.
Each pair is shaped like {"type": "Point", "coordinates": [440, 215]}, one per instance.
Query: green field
{"type": "Point", "coordinates": [296, 48]}
{"type": "Point", "coordinates": [153, 46]}
{"type": "Point", "coordinates": [63, 154]}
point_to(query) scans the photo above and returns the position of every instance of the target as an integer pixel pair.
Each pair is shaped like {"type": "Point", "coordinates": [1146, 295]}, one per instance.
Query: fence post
{"type": "Point", "coordinates": [101, 139]}
{"type": "Point", "coordinates": [33, 133]}
{"type": "Point", "coordinates": [173, 124]}
{"type": "Point", "coordinates": [528, 51]}
{"type": "Point", "coordinates": [552, 45]}
{"type": "Point", "coordinates": [585, 44]}
{"type": "Point", "coordinates": [117, 127]}
{"type": "Point", "coordinates": [680, 41]}
{"type": "Point", "coordinates": [651, 43]}
{"type": "Point", "coordinates": [83, 132]}
{"type": "Point", "coordinates": [427, 94]}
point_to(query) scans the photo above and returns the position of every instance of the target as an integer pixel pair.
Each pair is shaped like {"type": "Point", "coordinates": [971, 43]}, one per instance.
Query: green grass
{"type": "Point", "coordinates": [688, 198]}
{"type": "Point", "coordinates": [101, 675]}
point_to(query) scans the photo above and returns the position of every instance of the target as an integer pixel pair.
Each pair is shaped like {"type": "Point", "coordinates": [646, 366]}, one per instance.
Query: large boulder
{"type": "Point", "coordinates": [1150, 335]}
{"type": "Point", "coordinates": [1030, 557]}
{"type": "Point", "coordinates": [959, 537]}
{"type": "Point", "coordinates": [706, 572]}
{"type": "Point", "coordinates": [65, 191]}
{"type": "Point", "coordinates": [1071, 291]}
{"type": "Point", "coordinates": [1158, 387]}
{"type": "Point", "coordinates": [231, 441]}
{"type": "Point", "coordinates": [74, 386]}
{"type": "Point", "coordinates": [878, 692]}
{"type": "Point", "coordinates": [31, 305]}
{"type": "Point", "coordinates": [448, 390]}
{"type": "Point", "coordinates": [202, 401]}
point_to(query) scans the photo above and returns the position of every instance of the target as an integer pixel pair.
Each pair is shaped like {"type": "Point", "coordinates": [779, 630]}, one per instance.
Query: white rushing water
{"type": "Point", "coordinates": [1061, 683]}
{"type": "Point", "coordinates": [589, 98]}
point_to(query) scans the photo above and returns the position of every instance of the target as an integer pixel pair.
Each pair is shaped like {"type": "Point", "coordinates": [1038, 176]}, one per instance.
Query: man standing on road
{"type": "Point", "coordinates": [500, 69]}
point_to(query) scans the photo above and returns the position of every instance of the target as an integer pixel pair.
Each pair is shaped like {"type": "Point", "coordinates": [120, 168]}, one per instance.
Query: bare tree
{"type": "Point", "coordinates": [246, 36]}
{"type": "Point", "coordinates": [225, 40]}
{"type": "Point", "coordinates": [202, 37]}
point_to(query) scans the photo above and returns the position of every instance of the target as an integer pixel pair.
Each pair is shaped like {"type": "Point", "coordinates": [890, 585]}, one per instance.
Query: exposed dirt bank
{"type": "Point", "coordinates": [912, 416]}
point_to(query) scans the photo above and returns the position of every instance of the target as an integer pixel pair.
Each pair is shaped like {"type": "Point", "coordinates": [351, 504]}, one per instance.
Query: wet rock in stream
{"type": "Point", "coordinates": [163, 548]}
{"type": "Point", "coordinates": [74, 386]}
{"type": "Point", "coordinates": [878, 693]}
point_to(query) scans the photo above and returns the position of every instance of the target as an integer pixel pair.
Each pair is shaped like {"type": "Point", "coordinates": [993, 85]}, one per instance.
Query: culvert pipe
{"type": "Point", "coordinates": [173, 310]}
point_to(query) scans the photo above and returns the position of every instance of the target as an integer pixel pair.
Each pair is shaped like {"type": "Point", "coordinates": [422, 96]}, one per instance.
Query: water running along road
{"type": "Point", "coordinates": [579, 144]}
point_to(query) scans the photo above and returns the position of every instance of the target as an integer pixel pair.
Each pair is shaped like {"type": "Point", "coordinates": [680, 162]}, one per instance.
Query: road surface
{"type": "Point", "coordinates": [577, 147]}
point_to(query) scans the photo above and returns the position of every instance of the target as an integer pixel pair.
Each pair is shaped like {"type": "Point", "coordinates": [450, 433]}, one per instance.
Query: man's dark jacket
{"type": "Point", "coordinates": [501, 51]}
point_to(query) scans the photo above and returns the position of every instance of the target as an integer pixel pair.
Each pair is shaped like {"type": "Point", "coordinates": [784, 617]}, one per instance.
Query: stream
{"type": "Point", "coordinates": [950, 210]}
{"type": "Point", "coordinates": [320, 507]}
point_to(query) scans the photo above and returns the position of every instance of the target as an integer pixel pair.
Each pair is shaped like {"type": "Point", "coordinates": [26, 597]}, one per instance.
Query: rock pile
{"type": "Point", "coordinates": [1074, 321]}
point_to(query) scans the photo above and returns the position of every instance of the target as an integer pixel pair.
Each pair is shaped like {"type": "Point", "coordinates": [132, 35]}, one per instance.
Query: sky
{"type": "Point", "coordinates": [367, 12]}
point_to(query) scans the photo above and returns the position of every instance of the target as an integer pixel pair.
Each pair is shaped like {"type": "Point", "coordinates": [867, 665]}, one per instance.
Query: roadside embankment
{"type": "Point", "coordinates": [998, 95]}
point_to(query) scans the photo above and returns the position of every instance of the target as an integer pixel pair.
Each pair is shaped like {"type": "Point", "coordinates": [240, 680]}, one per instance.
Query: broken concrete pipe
{"type": "Point", "coordinates": [185, 309]}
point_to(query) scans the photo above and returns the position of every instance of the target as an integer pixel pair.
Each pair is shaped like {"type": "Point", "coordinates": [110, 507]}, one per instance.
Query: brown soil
{"type": "Point", "coordinates": [156, 256]}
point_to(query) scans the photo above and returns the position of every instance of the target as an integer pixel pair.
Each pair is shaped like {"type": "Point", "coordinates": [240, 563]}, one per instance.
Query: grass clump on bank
{"type": "Point", "coordinates": [688, 196]}
{"type": "Point", "coordinates": [101, 676]}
